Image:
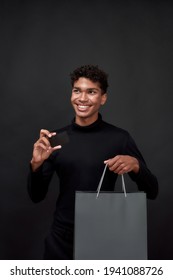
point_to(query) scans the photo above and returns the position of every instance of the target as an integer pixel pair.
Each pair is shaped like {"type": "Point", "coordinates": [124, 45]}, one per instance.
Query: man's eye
{"type": "Point", "coordinates": [75, 90]}
{"type": "Point", "coordinates": [92, 92]}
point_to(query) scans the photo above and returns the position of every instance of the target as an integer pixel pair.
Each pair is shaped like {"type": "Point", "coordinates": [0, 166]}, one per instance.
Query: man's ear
{"type": "Point", "coordinates": [104, 98]}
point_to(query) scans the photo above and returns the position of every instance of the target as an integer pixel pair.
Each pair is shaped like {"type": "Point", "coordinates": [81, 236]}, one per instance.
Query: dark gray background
{"type": "Point", "coordinates": [41, 42]}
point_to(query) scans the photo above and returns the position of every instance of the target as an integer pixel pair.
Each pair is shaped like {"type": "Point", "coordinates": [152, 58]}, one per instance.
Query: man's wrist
{"type": "Point", "coordinates": [35, 165]}
{"type": "Point", "coordinates": [136, 167]}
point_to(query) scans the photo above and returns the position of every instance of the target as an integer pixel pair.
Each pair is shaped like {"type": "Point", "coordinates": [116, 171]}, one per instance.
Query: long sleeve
{"type": "Point", "coordinates": [145, 180]}
{"type": "Point", "coordinates": [38, 181]}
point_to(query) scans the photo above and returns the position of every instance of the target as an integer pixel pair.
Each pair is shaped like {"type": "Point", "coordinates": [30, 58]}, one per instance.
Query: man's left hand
{"type": "Point", "coordinates": [121, 164]}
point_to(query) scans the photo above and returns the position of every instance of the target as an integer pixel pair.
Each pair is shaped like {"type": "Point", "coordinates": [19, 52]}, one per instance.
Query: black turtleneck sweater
{"type": "Point", "coordinates": [79, 166]}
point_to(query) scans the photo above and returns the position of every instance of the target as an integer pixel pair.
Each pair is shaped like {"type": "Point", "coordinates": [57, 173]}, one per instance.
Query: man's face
{"type": "Point", "coordinates": [86, 100]}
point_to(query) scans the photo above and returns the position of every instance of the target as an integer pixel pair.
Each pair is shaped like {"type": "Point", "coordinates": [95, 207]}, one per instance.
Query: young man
{"type": "Point", "coordinates": [80, 162]}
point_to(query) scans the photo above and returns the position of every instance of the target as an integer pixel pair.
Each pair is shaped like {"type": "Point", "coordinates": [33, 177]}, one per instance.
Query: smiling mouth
{"type": "Point", "coordinates": [82, 107]}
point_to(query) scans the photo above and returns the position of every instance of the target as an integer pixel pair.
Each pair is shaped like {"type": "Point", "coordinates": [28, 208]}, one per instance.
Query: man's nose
{"type": "Point", "coordinates": [83, 96]}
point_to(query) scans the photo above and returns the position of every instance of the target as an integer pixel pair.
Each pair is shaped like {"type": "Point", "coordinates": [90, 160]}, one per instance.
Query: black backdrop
{"type": "Point", "coordinates": [41, 42]}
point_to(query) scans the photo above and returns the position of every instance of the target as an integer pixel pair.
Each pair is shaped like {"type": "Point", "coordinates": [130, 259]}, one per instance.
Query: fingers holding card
{"type": "Point", "coordinates": [59, 139]}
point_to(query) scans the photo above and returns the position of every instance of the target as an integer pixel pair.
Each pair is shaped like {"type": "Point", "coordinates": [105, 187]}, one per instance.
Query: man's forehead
{"type": "Point", "coordinates": [86, 83]}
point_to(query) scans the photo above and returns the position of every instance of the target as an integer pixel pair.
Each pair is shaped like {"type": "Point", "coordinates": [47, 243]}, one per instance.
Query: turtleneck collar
{"type": "Point", "coordinates": [90, 127]}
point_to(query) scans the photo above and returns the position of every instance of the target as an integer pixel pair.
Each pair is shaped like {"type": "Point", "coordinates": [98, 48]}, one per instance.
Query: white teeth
{"type": "Point", "coordinates": [82, 107]}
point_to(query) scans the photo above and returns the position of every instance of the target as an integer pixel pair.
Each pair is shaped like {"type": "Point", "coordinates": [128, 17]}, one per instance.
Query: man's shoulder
{"type": "Point", "coordinates": [62, 129]}
{"type": "Point", "coordinates": [115, 129]}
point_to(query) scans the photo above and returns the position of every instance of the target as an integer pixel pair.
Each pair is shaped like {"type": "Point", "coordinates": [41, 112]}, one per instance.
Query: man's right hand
{"type": "Point", "coordinates": [42, 149]}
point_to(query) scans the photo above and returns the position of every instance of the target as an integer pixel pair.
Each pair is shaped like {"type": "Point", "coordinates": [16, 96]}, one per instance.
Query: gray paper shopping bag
{"type": "Point", "coordinates": [110, 226]}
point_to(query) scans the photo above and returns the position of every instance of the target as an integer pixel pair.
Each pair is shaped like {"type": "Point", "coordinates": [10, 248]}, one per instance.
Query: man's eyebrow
{"type": "Point", "coordinates": [87, 88]}
{"type": "Point", "coordinates": [92, 89]}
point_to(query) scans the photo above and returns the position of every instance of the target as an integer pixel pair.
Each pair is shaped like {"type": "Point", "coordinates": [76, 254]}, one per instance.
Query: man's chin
{"type": "Point", "coordinates": [84, 114]}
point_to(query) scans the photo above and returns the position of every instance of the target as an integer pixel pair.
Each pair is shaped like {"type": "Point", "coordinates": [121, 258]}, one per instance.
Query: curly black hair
{"type": "Point", "coordinates": [93, 73]}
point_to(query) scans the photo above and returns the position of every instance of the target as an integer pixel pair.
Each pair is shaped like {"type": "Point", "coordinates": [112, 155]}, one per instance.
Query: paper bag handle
{"type": "Point", "coordinates": [101, 180]}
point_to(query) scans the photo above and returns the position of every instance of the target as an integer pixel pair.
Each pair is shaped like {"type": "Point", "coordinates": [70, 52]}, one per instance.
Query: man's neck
{"type": "Point", "coordinates": [85, 121]}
